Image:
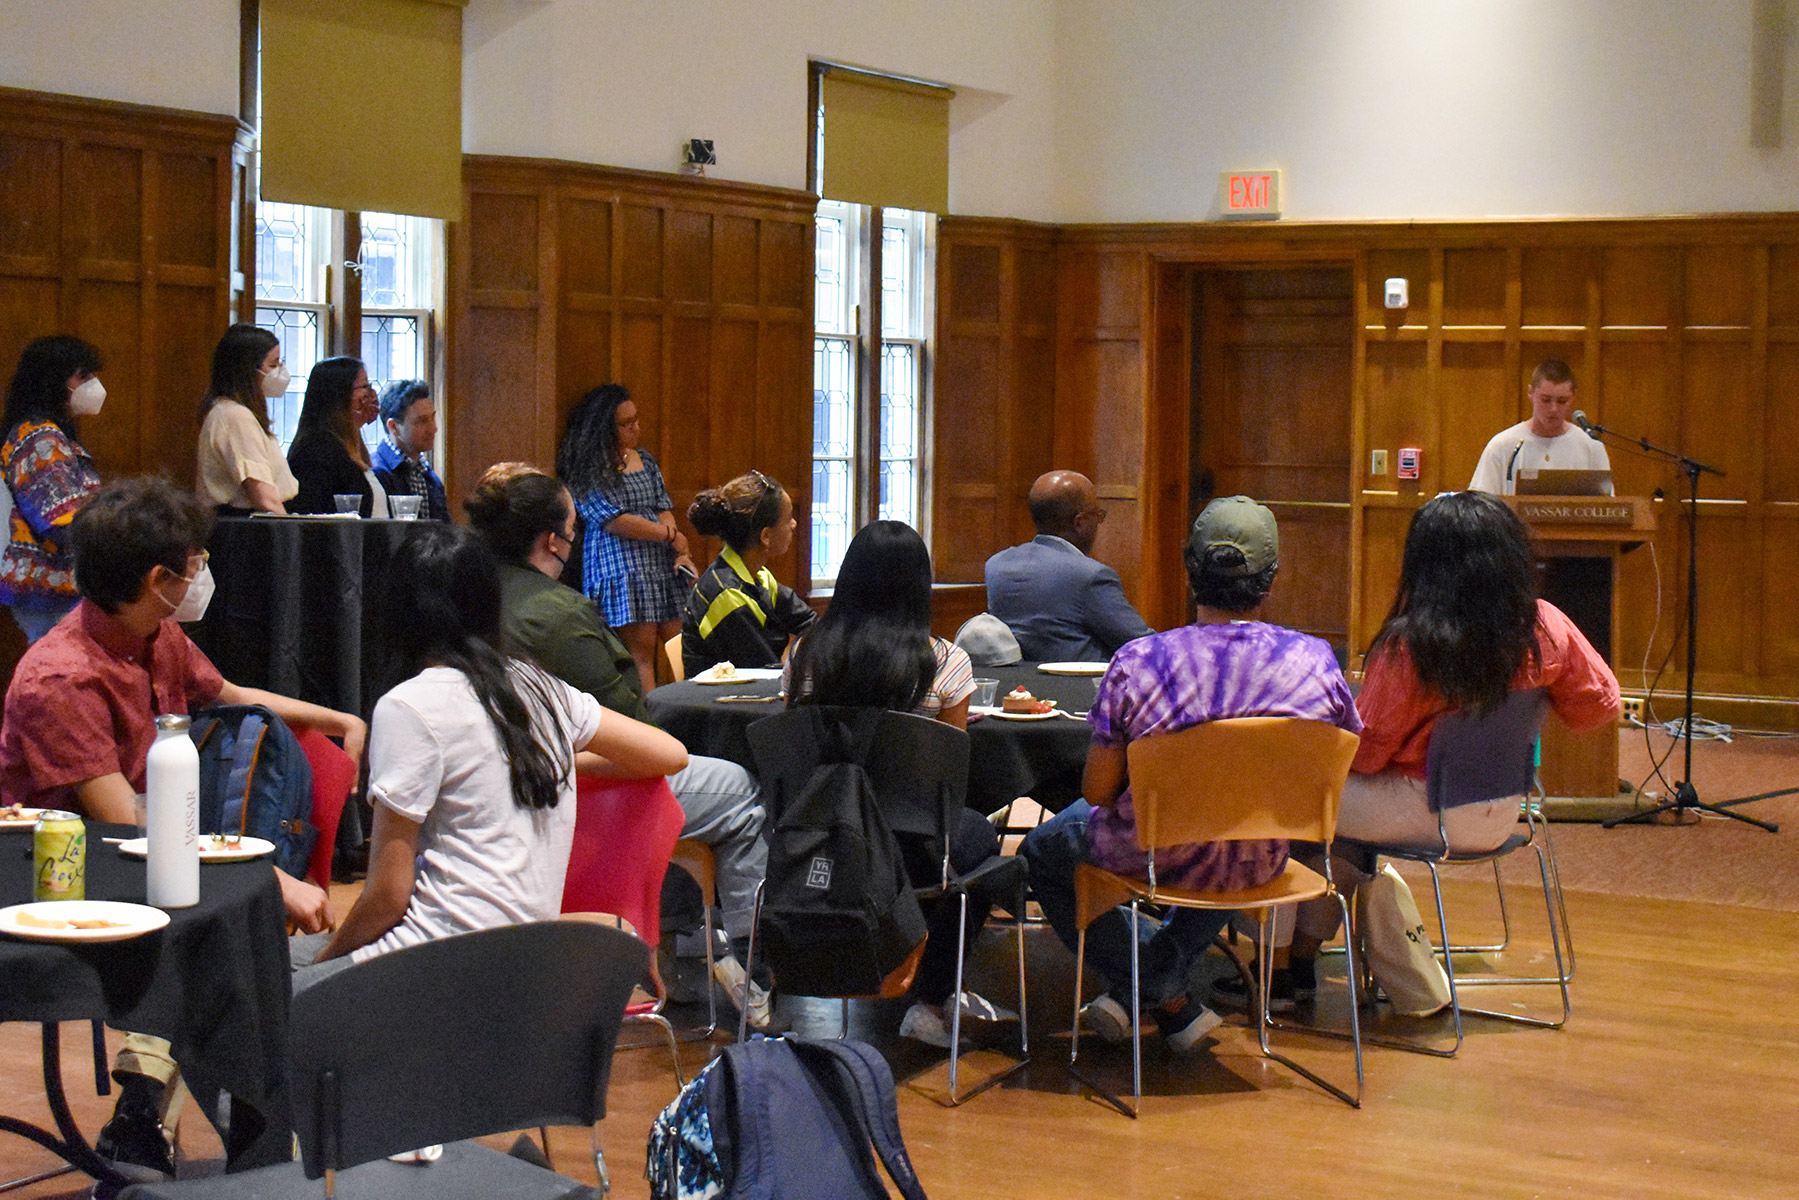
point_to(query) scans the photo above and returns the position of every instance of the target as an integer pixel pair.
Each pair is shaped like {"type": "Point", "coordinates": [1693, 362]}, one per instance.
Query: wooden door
{"type": "Point", "coordinates": [1273, 355]}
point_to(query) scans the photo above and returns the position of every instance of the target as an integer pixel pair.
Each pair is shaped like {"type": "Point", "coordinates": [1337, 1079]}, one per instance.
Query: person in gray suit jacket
{"type": "Point", "coordinates": [1062, 605]}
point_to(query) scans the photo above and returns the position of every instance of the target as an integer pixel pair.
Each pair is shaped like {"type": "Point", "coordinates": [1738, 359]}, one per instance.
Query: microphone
{"type": "Point", "coordinates": [1586, 426]}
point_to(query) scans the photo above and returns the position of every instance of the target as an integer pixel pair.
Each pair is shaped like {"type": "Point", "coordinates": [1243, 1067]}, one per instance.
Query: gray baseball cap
{"type": "Point", "coordinates": [1240, 523]}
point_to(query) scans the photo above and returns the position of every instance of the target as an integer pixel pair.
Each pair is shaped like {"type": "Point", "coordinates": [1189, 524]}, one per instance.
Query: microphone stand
{"type": "Point", "coordinates": [1686, 796]}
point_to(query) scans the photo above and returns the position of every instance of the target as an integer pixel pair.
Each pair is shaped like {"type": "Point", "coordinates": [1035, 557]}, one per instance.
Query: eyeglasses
{"type": "Point", "coordinates": [205, 556]}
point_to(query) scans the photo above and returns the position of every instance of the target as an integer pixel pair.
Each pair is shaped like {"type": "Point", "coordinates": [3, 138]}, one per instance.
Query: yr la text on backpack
{"type": "Point", "coordinates": [783, 1119]}
{"type": "Point", "coordinates": [838, 913]}
{"type": "Point", "coordinates": [255, 781]}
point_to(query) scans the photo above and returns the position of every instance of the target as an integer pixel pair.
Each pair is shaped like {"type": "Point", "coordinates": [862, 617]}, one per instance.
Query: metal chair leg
{"type": "Point", "coordinates": [599, 1161]}
{"type": "Point", "coordinates": [1265, 1020]}
{"type": "Point", "coordinates": [1074, 1048]}
{"type": "Point", "coordinates": [743, 1017]}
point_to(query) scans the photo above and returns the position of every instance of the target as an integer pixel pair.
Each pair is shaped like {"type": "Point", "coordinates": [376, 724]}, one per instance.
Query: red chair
{"type": "Point", "coordinates": [625, 832]}
{"type": "Point", "coordinates": [333, 775]}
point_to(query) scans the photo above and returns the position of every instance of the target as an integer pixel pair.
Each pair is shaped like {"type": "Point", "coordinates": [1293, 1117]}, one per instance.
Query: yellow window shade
{"type": "Point", "coordinates": [362, 105]}
{"type": "Point", "coordinates": [886, 141]}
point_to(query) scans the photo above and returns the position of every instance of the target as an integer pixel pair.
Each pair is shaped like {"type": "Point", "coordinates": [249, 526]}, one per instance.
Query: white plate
{"type": "Point", "coordinates": [25, 820]}
{"type": "Point", "coordinates": [1073, 668]}
{"type": "Point", "coordinates": [246, 849]}
{"type": "Point", "coordinates": [132, 920]}
{"type": "Point", "coordinates": [740, 675]}
{"type": "Point", "coordinates": [1003, 715]}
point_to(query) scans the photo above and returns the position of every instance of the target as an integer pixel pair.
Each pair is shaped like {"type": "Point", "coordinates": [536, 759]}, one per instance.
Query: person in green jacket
{"type": "Point", "coordinates": [527, 518]}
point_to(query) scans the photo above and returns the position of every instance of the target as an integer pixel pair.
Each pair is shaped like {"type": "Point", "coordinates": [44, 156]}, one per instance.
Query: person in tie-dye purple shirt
{"type": "Point", "coordinates": [1223, 665]}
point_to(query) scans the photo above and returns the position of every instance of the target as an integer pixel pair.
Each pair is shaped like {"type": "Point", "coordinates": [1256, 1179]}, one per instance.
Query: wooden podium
{"type": "Point", "coordinates": [1599, 528]}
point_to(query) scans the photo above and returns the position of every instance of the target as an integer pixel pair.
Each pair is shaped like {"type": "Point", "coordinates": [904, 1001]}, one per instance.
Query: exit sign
{"type": "Point", "coordinates": [1250, 194]}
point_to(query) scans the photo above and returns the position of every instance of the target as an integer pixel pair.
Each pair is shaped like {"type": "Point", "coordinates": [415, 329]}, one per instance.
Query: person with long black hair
{"type": "Point", "coordinates": [239, 466]}
{"type": "Point", "coordinates": [472, 763]}
{"type": "Point", "coordinates": [738, 612]}
{"type": "Point", "coordinates": [328, 456]}
{"type": "Point", "coordinates": [48, 477]}
{"type": "Point", "coordinates": [873, 648]}
{"type": "Point", "coordinates": [1465, 631]}
{"type": "Point", "coordinates": [632, 556]}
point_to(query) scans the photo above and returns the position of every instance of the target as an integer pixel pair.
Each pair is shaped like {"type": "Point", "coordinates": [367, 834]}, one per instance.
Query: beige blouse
{"type": "Point", "coordinates": [234, 449]}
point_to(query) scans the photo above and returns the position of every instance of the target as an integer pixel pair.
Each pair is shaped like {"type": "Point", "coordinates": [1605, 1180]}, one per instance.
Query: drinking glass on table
{"type": "Point", "coordinates": [406, 508]}
{"type": "Point", "coordinates": [984, 692]}
{"type": "Point", "coordinates": [348, 502]}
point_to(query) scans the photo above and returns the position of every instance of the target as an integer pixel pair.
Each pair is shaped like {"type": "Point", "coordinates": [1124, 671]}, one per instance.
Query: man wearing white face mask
{"type": "Point", "coordinates": [240, 465]}
{"type": "Point", "coordinates": [48, 477]}
{"type": "Point", "coordinates": [81, 710]}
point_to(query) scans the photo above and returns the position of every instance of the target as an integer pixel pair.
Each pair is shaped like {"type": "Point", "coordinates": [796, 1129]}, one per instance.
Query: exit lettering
{"type": "Point", "coordinates": [1254, 193]}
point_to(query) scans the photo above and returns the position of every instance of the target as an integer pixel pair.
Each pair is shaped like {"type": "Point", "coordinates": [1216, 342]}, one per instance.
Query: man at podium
{"type": "Point", "coordinates": [1545, 442]}
{"type": "Point", "coordinates": [1580, 587]}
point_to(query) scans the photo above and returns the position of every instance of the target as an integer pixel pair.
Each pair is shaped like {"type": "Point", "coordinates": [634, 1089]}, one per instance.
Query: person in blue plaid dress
{"type": "Point", "coordinates": [635, 565]}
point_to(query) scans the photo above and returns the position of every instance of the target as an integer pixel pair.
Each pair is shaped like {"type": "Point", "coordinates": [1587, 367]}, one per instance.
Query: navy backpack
{"type": "Point", "coordinates": [783, 1119]}
{"type": "Point", "coordinates": [255, 781]}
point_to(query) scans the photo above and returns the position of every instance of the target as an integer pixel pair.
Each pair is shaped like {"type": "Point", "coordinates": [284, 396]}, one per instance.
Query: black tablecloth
{"type": "Point", "coordinates": [214, 981]}
{"type": "Point", "coordinates": [1007, 759]}
{"type": "Point", "coordinates": [297, 607]}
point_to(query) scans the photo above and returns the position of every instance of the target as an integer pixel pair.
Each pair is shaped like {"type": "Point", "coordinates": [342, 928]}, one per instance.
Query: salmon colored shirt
{"type": "Point", "coordinates": [84, 701]}
{"type": "Point", "coordinates": [1398, 712]}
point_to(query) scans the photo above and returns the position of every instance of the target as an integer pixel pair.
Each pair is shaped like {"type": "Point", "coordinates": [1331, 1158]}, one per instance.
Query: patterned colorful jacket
{"type": "Point", "coordinates": [50, 477]}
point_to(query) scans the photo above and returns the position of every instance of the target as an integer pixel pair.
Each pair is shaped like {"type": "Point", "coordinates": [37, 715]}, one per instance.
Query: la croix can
{"type": "Point", "coordinates": [59, 856]}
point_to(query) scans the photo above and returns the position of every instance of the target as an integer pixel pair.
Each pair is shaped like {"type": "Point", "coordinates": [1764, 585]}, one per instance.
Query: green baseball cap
{"type": "Point", "coordinates": [1241, 524]}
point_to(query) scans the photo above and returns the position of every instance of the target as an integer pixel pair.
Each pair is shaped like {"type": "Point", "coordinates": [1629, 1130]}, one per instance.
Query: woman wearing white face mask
{"type": "Point", "coordinates": [241, 467]}
{"type": "Point", "coordinates": [48, 477]}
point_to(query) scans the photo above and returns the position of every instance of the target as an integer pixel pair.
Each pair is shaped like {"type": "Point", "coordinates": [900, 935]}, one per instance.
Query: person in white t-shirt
{"type": "Point", "coordinates": [472, 765]}
{"type": "Point", "coordinates": [1545, 441]}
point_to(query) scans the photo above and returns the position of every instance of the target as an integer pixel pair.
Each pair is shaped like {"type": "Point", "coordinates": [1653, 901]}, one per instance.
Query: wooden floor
{"type": "Point", "coordinates": [1677, 1077]}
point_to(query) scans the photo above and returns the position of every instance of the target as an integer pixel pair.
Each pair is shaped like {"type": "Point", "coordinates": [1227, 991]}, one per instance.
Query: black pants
{"type": "Point", "coordinates": [972, 842]}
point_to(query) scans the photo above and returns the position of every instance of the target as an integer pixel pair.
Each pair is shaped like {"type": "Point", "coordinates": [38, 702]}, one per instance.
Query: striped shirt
{"type": "Point", "coordinates": [953, 683]}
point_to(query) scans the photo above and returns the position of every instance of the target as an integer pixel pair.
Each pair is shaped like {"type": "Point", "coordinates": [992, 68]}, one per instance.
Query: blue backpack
{"type": "Point", "coordinates": [783, 1119]}
{"type": "Point", "coordinates": [255, 781]}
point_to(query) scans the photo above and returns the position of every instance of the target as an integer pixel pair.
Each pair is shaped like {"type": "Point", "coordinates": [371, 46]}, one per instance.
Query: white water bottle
{"type": "Point", "coordinates": [172, 816]}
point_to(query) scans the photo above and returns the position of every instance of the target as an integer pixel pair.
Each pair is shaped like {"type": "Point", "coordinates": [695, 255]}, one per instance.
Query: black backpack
{"type": "Point", "coordinates": [255, 781]}
{"type": "Point", "coordinates": [783, 1119]}
{"type": "Point", "coordinates": [838, 912]}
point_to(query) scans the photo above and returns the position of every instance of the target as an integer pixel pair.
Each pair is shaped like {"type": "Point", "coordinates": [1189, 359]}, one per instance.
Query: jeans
{"type": "Point", "coordinates": [723, 807]}
{"type": "Point", "coordinates": [1166, 950]}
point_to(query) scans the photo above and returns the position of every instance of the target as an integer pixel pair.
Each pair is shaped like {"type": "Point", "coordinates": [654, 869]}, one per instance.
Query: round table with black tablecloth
{"type": "Point", "coordinates": [1007, 759]}
{"type": "Point", "coordinates": [298, 607]}
{"type": "Point", "coordinates": [214, 982]}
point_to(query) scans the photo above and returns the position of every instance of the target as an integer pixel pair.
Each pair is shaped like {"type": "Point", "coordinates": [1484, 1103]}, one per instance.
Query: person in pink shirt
{"type": "Point", "coordinates": [1465, 631]}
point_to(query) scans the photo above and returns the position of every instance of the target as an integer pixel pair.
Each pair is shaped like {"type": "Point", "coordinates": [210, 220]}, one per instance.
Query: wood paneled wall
{"type": "Point", "coordinates": [695, 294]}
{"type": "Point", "coordinates": [118, 223]}
{"type": "Point", "coordinates": [994, 385]}
{"type": "Point", "coordinates": [1684, 331]}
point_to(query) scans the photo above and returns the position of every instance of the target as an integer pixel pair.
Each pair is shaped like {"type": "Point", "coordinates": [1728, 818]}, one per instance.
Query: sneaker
{"type": "Point", "coordinates": [134, 1136]}
{"type": "Point", "coordinates": [1182, 1027]}
{"type": "Point", "coordinates": [1106, 1019]}
{"type": "Point", "coordinates": [976, 1007]}
{"type": "Point", "coordinates": [1282, 993]}
{"type": "Point", "coordinates": [729, 974]}
{"type": "Point", "coordinates": [924, 1023]}
{"type": "Point", "coordinates": [929, 1024]}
